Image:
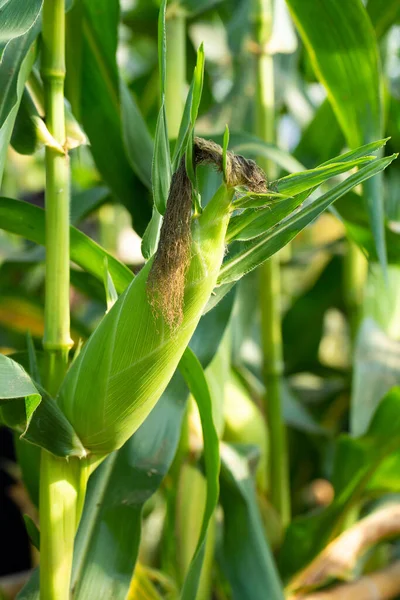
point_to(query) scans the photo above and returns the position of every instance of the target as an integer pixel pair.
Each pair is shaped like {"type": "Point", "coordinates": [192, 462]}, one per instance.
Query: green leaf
{"type": "Point", "coordinates": [255, 222]}
{"type": "Point", "coordinates": [383, 14]}
{"type": "Point", "coordinates": [254, 253]}
{"type": "Point", "coordinates": [85, 202]}
{"type": "Point", "coordinates": [15, 66]}
{"type": "Point", "coordinates": [28, 221]}
{"type": "Point", "coordinates": [245, 556]}
{"type": "Point", "coordinates": [24, 137]}
{"type": "Point", "coordinates": [137, 139]}
{"type": "Point", "coordinates": [33, 531]}
{"type": "Point", "coordinates": [198, 81]}
{"type": "Point", "coordinates": [253, 200]}
{"type": "Point", "coordinates": [300, 182]}
{"type": "Point", "coordinates": [345, 57]}
{"type": "Point", "coordinates": [17, 18]}
{"type": "Point", "coordinates": [50, 429]}
{"type": "Point", "coordinates": [111, 292]}
{"type": "Point", "coordinates": [193, 374]}
{"type": "Point", "coordinates": [161, 170]}
{"type": "Point", "coordinates": [195, 97]}
{"type": "Point", "coordinates": [151, 235]}
{"type": "Point", "coordinates": [356, 461]}
{"type": "Point", "coordinates": [33, 414]}
{"type": "Point", "coordinates": [376, 371]}
{"type": "Point", "coordinates": [116, 131]}
{"type": "Point", "coordinates": [161, 165]}
{"type": "Point", "coordinates": [184, 128]}
{"type": "Point", "coordinates": [109, 533]}
{"type": "Point", "coordinates": [162, 48]}
{"type": "Point", "coordinates": [33, 361]}
{"type": "Point", "coordinates": [15, 384]}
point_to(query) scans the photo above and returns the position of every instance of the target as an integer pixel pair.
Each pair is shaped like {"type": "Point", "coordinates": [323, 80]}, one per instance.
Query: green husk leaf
{"type": "Point", "coordinates": [253, 253]}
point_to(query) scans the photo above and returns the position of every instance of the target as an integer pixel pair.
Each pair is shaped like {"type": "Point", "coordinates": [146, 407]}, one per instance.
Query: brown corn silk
{"type": "Point", "coordinates": [166, 282]}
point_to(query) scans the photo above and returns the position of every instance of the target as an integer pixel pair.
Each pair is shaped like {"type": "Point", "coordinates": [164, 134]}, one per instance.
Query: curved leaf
{"type": "Point", "coordinates": [119, 140]}
{"type": "Point", "coordinates": [33, 414]}
{"type": "Point", "coordinates": [345, 57]}
{"type": "Point", "coordinates": [15, 65]}
{"type": "Point", "coordinates": [28, 221]}
{"type": "Point", "coordinates": [245, 556]}
{"type": "Point", "coordinates": [15, 384]}
{"type": "Point", "coordinates": [17, 18]}
{"type": "Point", "coordinates": [193, 374]}
{"type": "Point", "coordinates": [383, 14]}
{"type": "Point", "coordinates": [253, 253]}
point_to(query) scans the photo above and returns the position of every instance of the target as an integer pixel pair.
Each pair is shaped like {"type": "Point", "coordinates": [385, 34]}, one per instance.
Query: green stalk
{"type": "Point", "coordinates": [62, 493]}
{"type": "Point", "coordinates": [62, 483]}
{"type": "Point", "coordinates": [176, 68]}
{"type": "Point", "coordinates": [57, 341]}
{"type": "Point", "coordinates": [269, 274]}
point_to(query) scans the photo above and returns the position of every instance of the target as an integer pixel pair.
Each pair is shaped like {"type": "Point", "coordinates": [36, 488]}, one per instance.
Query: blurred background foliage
{"type": "Point", "coordinates": [340, 316]}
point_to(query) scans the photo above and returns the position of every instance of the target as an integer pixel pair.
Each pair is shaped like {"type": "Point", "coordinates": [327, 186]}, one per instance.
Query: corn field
{"type": "Point", "coordinates": [200, 299]}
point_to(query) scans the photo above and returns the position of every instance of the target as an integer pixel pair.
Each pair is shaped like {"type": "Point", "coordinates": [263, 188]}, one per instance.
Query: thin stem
{"type": "Point", "coordinates": [57, 341]}
{"type": "Point", "coordinates": [176, 70]}
{"type": "Point", "coordinates": [269, 277]}
{"type": "Point", "coordinates": [62, 485]}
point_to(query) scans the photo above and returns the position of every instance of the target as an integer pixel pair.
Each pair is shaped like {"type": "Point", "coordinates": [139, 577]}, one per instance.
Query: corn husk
{"type": "Point", "coordinates": [128, 361]}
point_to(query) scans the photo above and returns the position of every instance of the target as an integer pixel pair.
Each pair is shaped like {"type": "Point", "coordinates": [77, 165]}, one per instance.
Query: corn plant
{"type": "Point", "coordinates": [105, 414]}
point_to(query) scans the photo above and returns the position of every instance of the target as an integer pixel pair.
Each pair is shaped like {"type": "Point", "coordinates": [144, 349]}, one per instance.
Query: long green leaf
{"type": "Point", "coordinates": [300, 182]}
{"type": "Point", "coordinates": [161, 164]}
{"type": "Point", "coordinates": [104, 105]}
{"type": "Point", "coordinates": [28, 221]}
{"type": "Point", "coordinates": [193, 374]}
{"type": "Point", "coordinates": [34, 415]}
{"type": "Point", "coordinates": [185, 126]}
{"type": "Point", "coordinates": [15, 383]}
{"type": "Point", "coordinates": [383, 14]}
{"type": "Point", "coordinates": [15, 65]}
{"type": "Point", "coordinates": [245, 556]}
{"type": "Point", "coordinates": [255, 222]}
{"type": "Point", "coordinates": [254, 253]}
{"type": "Point", "coordinates": [17, 18]}
{"type": "Point", "coordinates": [344, 54]}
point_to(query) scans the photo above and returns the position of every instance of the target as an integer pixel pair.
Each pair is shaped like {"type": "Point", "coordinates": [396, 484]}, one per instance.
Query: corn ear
{"type": "Point", "coordinates": [128, 361]}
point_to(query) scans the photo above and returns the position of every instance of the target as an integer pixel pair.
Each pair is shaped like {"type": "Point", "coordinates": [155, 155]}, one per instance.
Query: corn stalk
{"type": "Point", "coordinates": [269, 275]}
{"type": "Point", "coordinates": [60, 481]}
